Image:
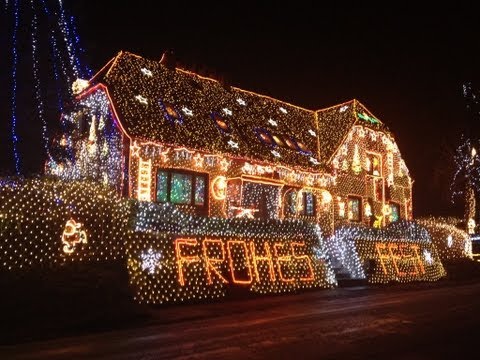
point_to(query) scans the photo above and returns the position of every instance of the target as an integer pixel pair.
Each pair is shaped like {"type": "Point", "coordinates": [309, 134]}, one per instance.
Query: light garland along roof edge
{"type": "Point", "coordinates": [178, 107]}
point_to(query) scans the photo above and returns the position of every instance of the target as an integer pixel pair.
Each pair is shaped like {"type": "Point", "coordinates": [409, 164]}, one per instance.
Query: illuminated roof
{"type": "Point", "coordinates": [178, 107]}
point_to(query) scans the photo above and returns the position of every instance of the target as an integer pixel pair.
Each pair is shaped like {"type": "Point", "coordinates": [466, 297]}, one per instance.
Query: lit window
{"type": "Point", "coordinates": [309, 204]}
{"type": "Point", "coordinates": [181, 187]}
{"type": "Point", "coordinates": [171, 113]}
{"type": "Point", "coordinates": [373, 164]}
{"type": "Point", "coordinates": [354, 208]}
{"type": "Point", "coordinates": [264, 136]}
{"type": "Point", "coordinates": [292, 202]}
{"type": "Point", "coordinates": [220, 122]}
{"type": "Point", "coordinates": [303, 148]}
{"type": "Point", "coordinates": [394, 212]}
{"type": "Point", "coordinates": [278, 141]}
{"type": "Point", "coordinates": [291, 143]}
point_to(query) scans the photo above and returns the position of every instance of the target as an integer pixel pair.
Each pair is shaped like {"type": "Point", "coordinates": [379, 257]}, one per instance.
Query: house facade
{"type": "Point", "coordinates": [161, 134]}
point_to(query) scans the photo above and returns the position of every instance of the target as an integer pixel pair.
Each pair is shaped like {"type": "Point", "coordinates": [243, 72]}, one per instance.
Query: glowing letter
{"type": "Point", "coordinates": [311, 277]}
{"type": "Point", "coordinates": [379, 247]}
{"type": "Point", "coordinates": [184, 259]}
{"type": "Point", "coordinates": [280, 260]}
{"type": "Point", "coordinates": [408, 258]}
{"type": "Point", "coordinates": [242, 244]}
{"type": "Point", "coordinates": [268, 258]}
{"type": "Point", "coordinates": [419, 260]}
{"type": "Point", "coordinates": [209, 261]}
{"type": "Point", "coordinates": [394, 258]}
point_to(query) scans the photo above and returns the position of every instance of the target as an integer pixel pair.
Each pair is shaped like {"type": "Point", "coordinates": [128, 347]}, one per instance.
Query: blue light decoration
{"type": "Point", "coordinates": [52, 38]}
{"type": "Point", "coordinates": [15, 137]}
{"type": "Point", "coordinates": [36, 80]}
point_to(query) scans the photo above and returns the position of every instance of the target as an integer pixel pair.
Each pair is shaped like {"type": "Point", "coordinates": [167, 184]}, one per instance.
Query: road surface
{"type": "Point", "coordinates": [422, 321]}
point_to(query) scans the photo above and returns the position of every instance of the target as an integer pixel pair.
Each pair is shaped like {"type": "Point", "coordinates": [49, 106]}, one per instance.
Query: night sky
{"type": "Point", "coordinates": [406, 65]}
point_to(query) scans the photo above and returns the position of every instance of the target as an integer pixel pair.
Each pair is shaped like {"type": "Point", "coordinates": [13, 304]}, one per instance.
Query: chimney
{"type": "Point", "coordinates": [168, 59]}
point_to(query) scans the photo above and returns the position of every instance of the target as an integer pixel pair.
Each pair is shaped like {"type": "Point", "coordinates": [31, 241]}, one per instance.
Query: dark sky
{"type": "Point", "coordinates": [405, 64]}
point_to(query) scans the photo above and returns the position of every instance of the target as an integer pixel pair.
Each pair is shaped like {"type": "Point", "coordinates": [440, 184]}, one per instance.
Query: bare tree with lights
{"type": "Point", "coordinates": [466, 179]}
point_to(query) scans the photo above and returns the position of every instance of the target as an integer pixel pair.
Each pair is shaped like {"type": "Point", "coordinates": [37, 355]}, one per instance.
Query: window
{"type": "Point", "coordinates": [171, 113]}
{"type": "Point", "coordinates": [291, 143]}
{"type": "Point", "coordinates": [264, 136]}
{"type": "Point", "coordinates": [309, 203]}
{"type": "Point", "coordinates": [220, 122]}
{"type": "Point", "coordinates": [394, 212]}
{"type": "Point", "coordinates": [373, 164]}
{"type": "Point", "coordinates": [303, 148]}
{"type": "Point", "coordinates": [181, 187]}
{"type": "Point", "coordinates": [278, 141]}
{"type": "Point", "coordinates": [291, 200]}
{"type": "Point", "coordinates": [354, 208]}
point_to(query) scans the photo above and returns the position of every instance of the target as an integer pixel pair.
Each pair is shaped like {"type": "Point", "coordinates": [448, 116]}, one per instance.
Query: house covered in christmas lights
{"type": "Point", "coordinates": [163, 134]}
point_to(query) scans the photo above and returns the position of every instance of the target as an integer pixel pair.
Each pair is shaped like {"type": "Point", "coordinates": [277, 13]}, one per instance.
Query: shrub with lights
{"type": "Point", "coordinates": [451, 242]}
{"type": "Point", "coordinates": [47, 222]}
{"type": "Point", "coordinates": [176, 257]}
{"type": "Point", "coordinates": [401, 252]}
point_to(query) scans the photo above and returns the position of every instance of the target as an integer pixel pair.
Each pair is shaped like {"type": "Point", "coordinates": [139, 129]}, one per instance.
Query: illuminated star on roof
{"type": "Point", "coordinates": [283, 110]}
{"type": "Point", "coordinates": [313, 161]}
{"type": "Point", "coordinates": [227, 111]}
{"type": "Point", "coordinates": [272, 122]}
{"type": "Point", "coordinates": [343, 108]}
{"type": "Point", "coordinates": [311, 132]}
{"type": "Point", "coordinates": [141, 99]}
{"type": "Point", "coordinates": [233, 144]}
{"type": "Point", "coordinates": [187, 111]}
{"type": "Point", "coordinates": [241, 102]}
{"type": "Point", "coordinates": [276, 153]}
{"type": "Point", "coordinates": [147, 72]}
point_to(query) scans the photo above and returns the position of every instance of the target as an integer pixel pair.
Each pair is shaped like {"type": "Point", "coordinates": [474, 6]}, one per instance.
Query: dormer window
{"type": "Point", "coordinates": [171, 113]}
{"type": "Point", "coordinates": [264, 136]}
{"type": "Point", "coordinates": [220, 122]}
{"type": "Point", "coordinates": [278, 140]}
{"type": "Point", "coordinates": [303, 148]}
{"type": "Point", "coordinates": [291, 143]}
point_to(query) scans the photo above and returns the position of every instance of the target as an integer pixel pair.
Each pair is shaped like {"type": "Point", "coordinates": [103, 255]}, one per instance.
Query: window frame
{"type": "Point", "coordinates": [304, 202]}
{"type": "Point", "coordinates": [371, 155]}
{"type": "Point", "coordinates": [390, 203]}
{"type": "Point", "coordinates": [360, 208]}
{"type": "Point", "coordinates": [194, 175]}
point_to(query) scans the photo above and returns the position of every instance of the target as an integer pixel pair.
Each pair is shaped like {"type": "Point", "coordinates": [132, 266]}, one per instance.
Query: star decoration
{"type": "Point", "coordinates": [147, 72]}
{"type": "Point", "coordinates": [233, 144]}
{"type": "Point", "coordinates": [343, 108]}
{"type": "Point", "coordinates": [449, 240]}
{"type": "Point", "coordinates": [224, 164]}
{"type": "Point", "coordinates": [141, 99]}
{"type": "Point", "coordinates": [311, 132]}
{"type": "Point", "coordinates": [427, 256]}
{"type": "Point", "coordinates": [151, 260]}
{"type": "Point", "coordinates": [276, 153]}
{"type": "Point", "coordinates": [283, 110]}
{"type": "Point", "coordinates": [198, 159]}
{"type": "Point", "coordinates": [313, 160]}
{"type": "Point", "coordinates": [187, 111]}
{"type": "Point", "coordinates": [272, 122]}
{"type": "Point", "coordinates": [135, 149]}
{"type": "Point", "coordinates": [241, 101]}
{"type": "Point", "coordinates": [227, 111]}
